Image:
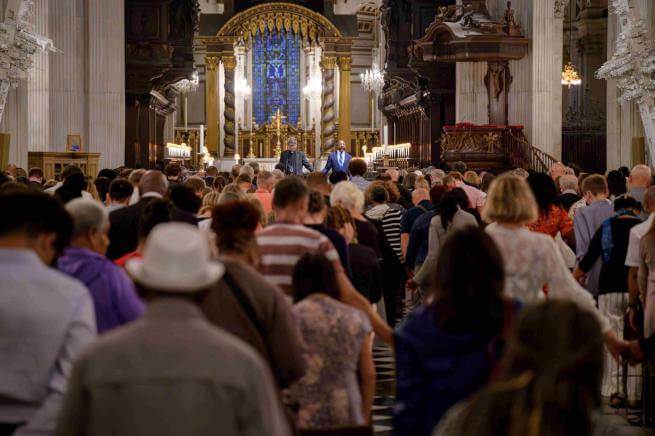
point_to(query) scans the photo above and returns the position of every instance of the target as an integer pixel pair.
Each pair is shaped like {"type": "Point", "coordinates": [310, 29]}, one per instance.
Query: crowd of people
{"type": "Point", "coordinates": [247, 302]}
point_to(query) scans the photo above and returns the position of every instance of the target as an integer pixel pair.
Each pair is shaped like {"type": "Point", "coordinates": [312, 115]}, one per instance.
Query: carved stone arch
{"type": "Point", "coordinates": [294, 18]}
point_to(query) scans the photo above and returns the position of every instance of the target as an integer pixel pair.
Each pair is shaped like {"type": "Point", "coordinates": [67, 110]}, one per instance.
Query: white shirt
{"type": "Point", "coordinates": [38, 342]}
{"type": "Point", "coordinates": [533, 260]}
{"type": "Point", "coordinates": [632, 258]}
{"type": "Point", "coordinates": [86, 195]}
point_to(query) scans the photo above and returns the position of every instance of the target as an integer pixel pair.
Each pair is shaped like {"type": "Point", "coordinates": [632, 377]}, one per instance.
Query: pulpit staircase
{"type": "Point", "coordinates": [492, 148]}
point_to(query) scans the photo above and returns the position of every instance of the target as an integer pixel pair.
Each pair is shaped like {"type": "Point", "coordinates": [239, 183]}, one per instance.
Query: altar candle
{"type": "Point", "coordinates": [202, 138]}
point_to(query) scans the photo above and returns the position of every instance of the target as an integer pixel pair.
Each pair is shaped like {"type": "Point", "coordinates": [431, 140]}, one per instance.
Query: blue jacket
{"type": "Point", "coordinates": [333, 163]}
{"type": "Point", "coordinates": [434, 370]}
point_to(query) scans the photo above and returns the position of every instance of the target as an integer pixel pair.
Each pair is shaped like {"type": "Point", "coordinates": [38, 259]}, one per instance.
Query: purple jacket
{"type": "Point", "coordinates": [114, 295]}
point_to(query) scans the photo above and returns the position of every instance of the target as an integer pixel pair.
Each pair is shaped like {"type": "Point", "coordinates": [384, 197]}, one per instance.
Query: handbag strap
{"type": "Point", "coordinates": [246, 305]}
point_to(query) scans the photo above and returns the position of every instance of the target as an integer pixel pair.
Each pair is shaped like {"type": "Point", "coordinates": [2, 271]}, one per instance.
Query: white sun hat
{"type": "Point", "coordinates": [175, 259]}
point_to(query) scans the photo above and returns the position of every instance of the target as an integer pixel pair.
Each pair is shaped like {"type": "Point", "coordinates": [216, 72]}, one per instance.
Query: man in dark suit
{"type": "Point", "coordinates": [124, 222]}
{"type": "Point", "coordinates": [339, 159]}
{"type": "Point", "coordinates": [294, 160]}
{"type": "Point", "coordinates": [35, 179]}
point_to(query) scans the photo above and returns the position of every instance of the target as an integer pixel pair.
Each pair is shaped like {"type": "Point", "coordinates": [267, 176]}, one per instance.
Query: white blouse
{"type": "Point", "coordinates": [533, 260]}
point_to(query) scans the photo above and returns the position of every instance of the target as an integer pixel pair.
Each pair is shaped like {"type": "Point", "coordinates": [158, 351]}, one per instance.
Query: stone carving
{"type": "Point", "coordinates": [308, 25]}
{"type": "Point", "coordinates": [474, 15]}
{"type": "Point", "coordinates": [633, 67]}
{"type": "Point", "coordinates": [560, 8]}
{"type": "Point", "coordinates": [18, 44]}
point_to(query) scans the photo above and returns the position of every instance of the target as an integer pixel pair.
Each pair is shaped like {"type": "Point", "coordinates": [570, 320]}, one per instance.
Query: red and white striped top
{"type": "Point", "coordinates": [281, 245]}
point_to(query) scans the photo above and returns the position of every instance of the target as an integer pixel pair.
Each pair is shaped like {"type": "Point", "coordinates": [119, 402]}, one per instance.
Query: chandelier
{"type": "Point", "coordinates": [372, 80]}
{"type": "Point", "coordinates": [241, 86]}
{"type": "Point", "coordinates": [314, 88]}
{"type": "Point", "coordinates": [570, 76]}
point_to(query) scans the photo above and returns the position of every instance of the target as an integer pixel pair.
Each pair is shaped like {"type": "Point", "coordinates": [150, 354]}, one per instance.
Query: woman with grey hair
{"type": "Point", "coordinates": [349, 196]}
{"type": "Point", "coordinates": [114, 295]}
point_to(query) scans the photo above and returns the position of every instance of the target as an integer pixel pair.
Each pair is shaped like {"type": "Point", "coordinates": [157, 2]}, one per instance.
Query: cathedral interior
{"type": "Point", "coordinates": [497, 84]}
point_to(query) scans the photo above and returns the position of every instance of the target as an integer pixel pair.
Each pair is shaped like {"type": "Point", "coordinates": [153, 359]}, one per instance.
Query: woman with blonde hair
{"type": "Point", "coordinates": [533, 260]}
{"type": "Point", "coordinates": [208, 202]}
{"type": "Point", "coordinates": [471, 178]}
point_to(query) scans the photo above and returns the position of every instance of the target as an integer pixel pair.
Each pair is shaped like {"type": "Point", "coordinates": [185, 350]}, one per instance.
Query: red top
{"type": "Point", "coordinates": [122, 260]}
{"type": "Point", "coordinates": [557, 220]}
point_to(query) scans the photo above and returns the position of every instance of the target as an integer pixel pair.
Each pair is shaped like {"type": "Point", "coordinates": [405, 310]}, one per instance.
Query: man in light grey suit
{"type": "Point", "coordinates": [171, 372]}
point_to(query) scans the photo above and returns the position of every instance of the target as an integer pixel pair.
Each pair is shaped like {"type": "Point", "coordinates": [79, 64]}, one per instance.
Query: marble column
{"type": "Point", "coordinates": [229, 65]}
{"type": "Point", "coordinates": [471, 94]}
{"type": "Point", "coordinates": [105, 81]}
{"type": "Point", "coordinates": [211, 104]}
{"type": "Point", "coordinates": [327, 110]}
{"type": "Point", "coordinates": [535, 99]}
{"type": "Point", "coordinates": [344, 101]}
{"type": "Point", "coordinates": [69, 27]}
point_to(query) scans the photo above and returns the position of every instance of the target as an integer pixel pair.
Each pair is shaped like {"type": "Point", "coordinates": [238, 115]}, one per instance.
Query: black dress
{"type": "Point", "coordinates": [366, 273]}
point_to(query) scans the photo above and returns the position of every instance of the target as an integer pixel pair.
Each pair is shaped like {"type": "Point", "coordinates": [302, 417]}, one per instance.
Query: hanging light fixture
{"type": "Point", "coordinates": [570, 76]}
{"type": "Point", "coordinates": [314, 88]}
{"type": "Point", "coordinates": [372, 79]}
{"type": "Point", "coordinates": [241, 86]}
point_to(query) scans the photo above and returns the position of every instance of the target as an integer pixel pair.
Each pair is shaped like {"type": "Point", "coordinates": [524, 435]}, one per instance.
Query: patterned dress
{"type": "Point", "coordinates": [557, 220]}
{"type": "Point", "coordinates": [328, 395]}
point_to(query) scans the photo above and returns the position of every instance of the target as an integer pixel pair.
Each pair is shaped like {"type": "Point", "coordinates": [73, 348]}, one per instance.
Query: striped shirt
{"type": "Point", "coordinates": [281, 245]}
{"type": "Point", "coordinates": [390, 218]}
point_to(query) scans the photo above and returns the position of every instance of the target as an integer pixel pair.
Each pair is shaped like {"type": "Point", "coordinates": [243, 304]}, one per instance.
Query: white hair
{"type": "Point", "coordinates": [348, 195]}
{"type": "Point", "coordinates": [277, 174]}
{"type": "Point", "coordinates": [87, 215]}
{"type": "Point", "coordinates": [436, 176]}
{"type": "Point", "coordinates": [568, 181]}
{"type": "Point", "coordinates": [247, 170]}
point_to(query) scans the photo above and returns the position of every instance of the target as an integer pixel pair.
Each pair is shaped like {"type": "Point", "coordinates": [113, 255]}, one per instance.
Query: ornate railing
{"type": "Point", "coordinates": [489, 142]}
{"type": "Point", "coordinates": [523, 155]}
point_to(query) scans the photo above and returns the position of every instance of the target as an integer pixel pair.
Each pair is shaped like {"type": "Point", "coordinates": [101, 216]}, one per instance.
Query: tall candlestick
{"type": "Point", "coordinates": [185, 112]}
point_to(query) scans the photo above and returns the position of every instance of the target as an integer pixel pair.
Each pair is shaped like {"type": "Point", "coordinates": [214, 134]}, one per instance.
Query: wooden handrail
{"type": "Point", "coordinates": [521, 154]}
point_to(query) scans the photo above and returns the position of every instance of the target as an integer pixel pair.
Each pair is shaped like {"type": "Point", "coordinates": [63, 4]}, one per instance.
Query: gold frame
{"type": "Point", "coordinates": [69, 143]}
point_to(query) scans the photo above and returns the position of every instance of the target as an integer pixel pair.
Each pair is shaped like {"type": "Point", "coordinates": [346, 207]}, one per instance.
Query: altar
{"type": "Point", "coordinates": [269, 140]}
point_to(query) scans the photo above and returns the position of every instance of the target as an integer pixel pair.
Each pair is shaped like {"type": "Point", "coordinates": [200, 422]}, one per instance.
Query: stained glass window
{"type": "Point", "coordinates": [276, 76]}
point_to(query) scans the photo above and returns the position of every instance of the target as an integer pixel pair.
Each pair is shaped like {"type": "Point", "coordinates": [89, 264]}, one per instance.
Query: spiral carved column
{"type": "Point", "coordinates": [328, 126]}
{"type": "Point", "coordinates": [344, 102]}
{"type": "Point", "coordinates": [229, 65]}
{"type": "Point", "coordinates": [211, 104]}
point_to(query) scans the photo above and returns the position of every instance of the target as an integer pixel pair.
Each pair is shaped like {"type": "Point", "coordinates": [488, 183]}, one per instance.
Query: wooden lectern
{"type": "Point", "coordinates": [53, 163]}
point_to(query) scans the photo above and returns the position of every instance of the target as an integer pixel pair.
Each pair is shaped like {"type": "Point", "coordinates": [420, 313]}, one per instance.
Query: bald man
{"type": "Point", "coordinates": [556, 170]}
{"type": "Point", "coordinates": [639, 181]}
{"type": "Point", "coordinates": [124, 227]}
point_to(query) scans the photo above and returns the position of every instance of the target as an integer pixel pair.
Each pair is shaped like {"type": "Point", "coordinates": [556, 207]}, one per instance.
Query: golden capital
{"type": "Point", "coordinates": [229, 62]}
{"type": "Point", "coordinates": [345, 62]}
{"type": "Point", "coordinates": [328, 63]}
{"type": "Point", "coordinates": [211, 62]}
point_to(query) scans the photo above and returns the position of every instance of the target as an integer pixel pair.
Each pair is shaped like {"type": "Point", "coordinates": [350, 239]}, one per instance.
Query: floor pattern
{"type": "Point", "coordinates": [384, 389]}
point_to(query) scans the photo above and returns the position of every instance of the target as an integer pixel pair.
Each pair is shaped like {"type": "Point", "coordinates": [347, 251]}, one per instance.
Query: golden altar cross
{"type": "Point", "coordinates": [277, 120]}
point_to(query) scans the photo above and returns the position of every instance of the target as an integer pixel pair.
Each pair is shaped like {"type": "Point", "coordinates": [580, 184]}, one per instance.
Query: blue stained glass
{"type": "Point", "coordinates": [276, 76]}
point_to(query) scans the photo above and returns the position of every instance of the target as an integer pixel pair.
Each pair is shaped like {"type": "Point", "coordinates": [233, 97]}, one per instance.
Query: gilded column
{"type": "Point", "coordinates": [327, 109]}
{"type": "Point", "coordinates": [229, 65]}
{"type": "Point", "coordinates": [344, 101]}
{"type": "Point", "coordinates": [211, 104]}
